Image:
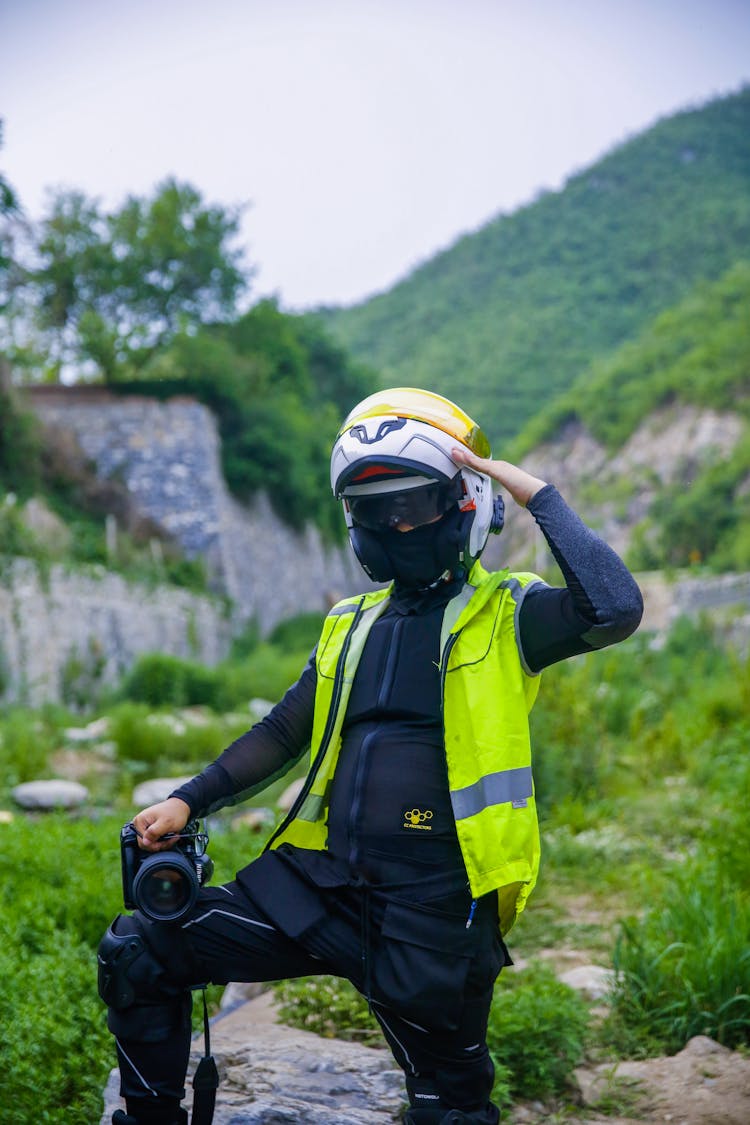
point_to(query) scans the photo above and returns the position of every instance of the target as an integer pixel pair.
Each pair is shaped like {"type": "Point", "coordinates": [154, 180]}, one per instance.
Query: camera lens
{"type": "Point", "coordinates": [165, 887]}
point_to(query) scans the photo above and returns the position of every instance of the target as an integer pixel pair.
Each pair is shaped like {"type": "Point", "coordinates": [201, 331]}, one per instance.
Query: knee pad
{"type": "Point", "coordinates": [122, 957]}
{"type": "Point", "coordinates": [145, 1001]}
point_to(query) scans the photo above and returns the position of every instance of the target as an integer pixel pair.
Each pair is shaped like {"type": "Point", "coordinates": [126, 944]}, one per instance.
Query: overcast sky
{"type": "Point", "coordinates": [363, 136]}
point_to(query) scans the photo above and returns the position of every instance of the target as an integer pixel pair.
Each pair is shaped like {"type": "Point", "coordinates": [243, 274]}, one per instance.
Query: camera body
{"type": "Point", "coordinates": [164, 885]}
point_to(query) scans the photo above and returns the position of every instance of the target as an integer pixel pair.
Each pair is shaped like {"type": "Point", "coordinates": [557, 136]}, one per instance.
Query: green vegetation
{"type": "Point", "coordinates": [506, 318]}
{"type": "Point", "coordinates": [696, 352]}
{"type": "Point", "coordinates": [146, 299]}
{"type": "Point", "coordinates": [641, 766]}
{"type": "Point", "coordinates": [536, 1033]}
{"type": "Point", "coordinates": [279, 387]}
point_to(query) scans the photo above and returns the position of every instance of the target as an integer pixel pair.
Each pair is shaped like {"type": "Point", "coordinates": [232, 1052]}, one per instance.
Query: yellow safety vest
{"type": "Point", "coordinates": [487, 695]}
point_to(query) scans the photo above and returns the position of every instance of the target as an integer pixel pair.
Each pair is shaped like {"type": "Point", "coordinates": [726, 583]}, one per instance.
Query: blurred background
{"type": "Point", "coordinates": [219, 229]}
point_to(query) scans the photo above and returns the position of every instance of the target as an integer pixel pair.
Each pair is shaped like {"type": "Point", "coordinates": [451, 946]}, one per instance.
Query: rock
{"type": "Point", "coordinates": [54, 793]}
{"type": "Point", "coordinates": [594, 981]}
{"type": "Point", "coordinates": [239, 992]}
{"type": "Point", "coordinates": [704, 1084]}
{"type": "Point", "coordinates": [6, 816]}
{"type": "Point", "coordinates": [254, 819]}
{"type": "Point", "coordinates": [260, 707]}
{"type": "Point", "coordinates": [155, 790]}
{"type": "Point", "coordinates": [275, 1075]}
{"type": "Point", "coordinates": [92, 732]}
{"type": "Point", "coordinates": [290, 794]}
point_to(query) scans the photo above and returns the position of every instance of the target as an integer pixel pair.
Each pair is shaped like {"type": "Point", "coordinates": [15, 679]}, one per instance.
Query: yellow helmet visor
{"type": "Point", "coordinates": [422, 406]}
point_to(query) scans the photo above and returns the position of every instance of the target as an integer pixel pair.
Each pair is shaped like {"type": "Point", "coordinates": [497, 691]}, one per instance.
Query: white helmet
{"type": "Point", "coordinates": [393, 455]}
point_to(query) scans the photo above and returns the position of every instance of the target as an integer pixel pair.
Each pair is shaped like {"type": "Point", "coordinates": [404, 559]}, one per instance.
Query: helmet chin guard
{"type": "Point", "coordinates": [403, 438]}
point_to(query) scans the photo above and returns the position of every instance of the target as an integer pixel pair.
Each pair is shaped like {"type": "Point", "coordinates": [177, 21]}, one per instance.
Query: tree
{"type": "Point", "coordinates": [113, 289]}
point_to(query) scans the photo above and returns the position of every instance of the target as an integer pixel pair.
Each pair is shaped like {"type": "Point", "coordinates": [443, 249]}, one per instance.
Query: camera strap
{"type": "Point", "coordinates": [205, 1079]}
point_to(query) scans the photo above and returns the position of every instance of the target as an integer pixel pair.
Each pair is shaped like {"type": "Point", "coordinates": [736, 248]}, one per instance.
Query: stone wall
{"type": "Point", "coordinates": [64, 631]}
{"type": "Point", "coordinates": [168, 456]}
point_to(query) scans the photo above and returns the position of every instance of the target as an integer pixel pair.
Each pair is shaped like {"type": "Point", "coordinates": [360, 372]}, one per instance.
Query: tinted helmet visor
{"type": "Point", "coordinates": [411, 507]}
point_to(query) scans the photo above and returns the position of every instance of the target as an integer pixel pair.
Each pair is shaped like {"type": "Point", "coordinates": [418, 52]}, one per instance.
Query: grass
{"type": "Point", "coordinates": [646, 853]}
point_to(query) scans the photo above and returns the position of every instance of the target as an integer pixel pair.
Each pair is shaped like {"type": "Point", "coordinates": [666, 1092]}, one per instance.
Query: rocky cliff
{"type": "Point", "coordinates": [168, 456]}
{"type": "Point", "coordinates": [65, 634]}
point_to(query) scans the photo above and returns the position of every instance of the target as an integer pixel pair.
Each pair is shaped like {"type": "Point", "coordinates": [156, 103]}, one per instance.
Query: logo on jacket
{"type": "Point", "coordinates": [418, 818]}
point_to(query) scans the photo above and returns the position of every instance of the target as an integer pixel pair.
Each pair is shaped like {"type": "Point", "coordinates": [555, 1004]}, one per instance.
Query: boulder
{"type": "Point", "coordinates": [290, 794]}
{"type": "Point", "coordinates": [155, 790]}
{"type": "Point", "coordinates": [594, 981]}
{"type": "Point", "coordinates": [274, 1075]}
{"type": "Point", "coordinates": [54, 793]}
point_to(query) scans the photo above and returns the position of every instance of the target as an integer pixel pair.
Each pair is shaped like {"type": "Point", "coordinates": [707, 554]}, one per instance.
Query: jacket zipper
{"type": "Point", "coordinates": [338, 684]}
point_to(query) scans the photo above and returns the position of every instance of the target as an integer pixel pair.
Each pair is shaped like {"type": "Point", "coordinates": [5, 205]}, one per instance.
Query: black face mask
{"type": "Point", "coordinates": [418, 558]}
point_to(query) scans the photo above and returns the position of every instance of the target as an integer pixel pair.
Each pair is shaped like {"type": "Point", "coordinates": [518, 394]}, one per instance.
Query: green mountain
{"type": "Point", "coordinates": [509, 316]}
{"type": "Point", "coordinates": [653, 443]}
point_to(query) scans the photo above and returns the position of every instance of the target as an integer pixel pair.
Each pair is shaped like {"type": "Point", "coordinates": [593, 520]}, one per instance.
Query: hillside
{"type": "Point", "coordinates": [652, 444]}
{"type": "Point", "coordinates": [509, 316]}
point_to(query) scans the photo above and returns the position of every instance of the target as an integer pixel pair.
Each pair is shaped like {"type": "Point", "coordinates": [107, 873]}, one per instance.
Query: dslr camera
{"type": "Point", "coordinates": [164, 885]}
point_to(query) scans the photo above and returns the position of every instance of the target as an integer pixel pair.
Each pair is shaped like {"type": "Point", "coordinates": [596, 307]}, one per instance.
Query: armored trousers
{"type": "Point", "coordinates": [428, 975]}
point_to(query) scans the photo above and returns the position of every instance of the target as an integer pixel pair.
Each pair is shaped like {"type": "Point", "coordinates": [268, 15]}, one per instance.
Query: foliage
{"type": "Point", "coordinates": [684, 968]}
{"type": "Point", "coordinates": [110, 289]}
{"type": "Point", "coordinates": [705, 522]}
{"type": "Point", "coordinates": [507, 317]}
{"type": "Point", "coordinates": [601, 726]}
{"type": "Point", "coordinates": [279, 387]}
{"type": "Point", "coordinates": [297, 634]}
{"type": "Point", "coordinates": [161, 680]}
{"type": "Point", "coordinates": [328, 1006]}
{"type": "Point", "coordinates": [20, 447]}
{"type": "Point", "coordinates": [60, 890]}
{"type": "Point", "coordinates": [697, 351]}
{"type": "Point", "coordinates": [26, 742]}
{"type": "Point", "coordinates": [163, 741]}
{"type": "Point", "coordinates": [536, 1031]}
{"type": "Point", "coordinates": [54, 907]}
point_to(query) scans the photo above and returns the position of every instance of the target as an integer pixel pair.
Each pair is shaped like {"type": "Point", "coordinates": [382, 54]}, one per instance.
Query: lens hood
{"type": "Point", "coordinates": [165, 886]}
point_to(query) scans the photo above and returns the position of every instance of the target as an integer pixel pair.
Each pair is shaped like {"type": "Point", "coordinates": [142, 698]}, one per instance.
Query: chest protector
{"type": "Point", "coordinates": [487, 695]}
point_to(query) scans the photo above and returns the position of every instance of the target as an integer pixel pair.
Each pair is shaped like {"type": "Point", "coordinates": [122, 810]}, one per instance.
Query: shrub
{"type": "Point", "coordinates": [167, 681]}
{"type": "Point", "coordinates": [297, 634]}
{"type": "Point", "coordinates": [536, 1033]}
{"type": "Point", "coordinates": [25, 746]}
{"type": "Point", "coordinates": [329, 1006]}
{"type": "Point", "coordinates": [169, 741]}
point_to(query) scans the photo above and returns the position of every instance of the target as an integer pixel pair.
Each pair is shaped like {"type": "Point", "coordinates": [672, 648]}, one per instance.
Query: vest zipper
{"type": "Point", "coordinates": [357, 798]}
{"type": "Point", "coordinates": [338, 684]}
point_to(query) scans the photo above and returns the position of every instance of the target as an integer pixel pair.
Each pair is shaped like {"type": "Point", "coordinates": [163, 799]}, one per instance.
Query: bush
{"type": "Point", "coordinates": [536, 1033]}
{"type": "Point", "coordinates": [328, 1006]}
{"type": "Point", "coordinates": [167, 681]}
{"type": "Point", "coordinates": [297, 634]}
{"type": "Point", "coordinates": [171, 741]}
{"type": "Point", "coordinates": [265, 673]}
{"type": "Point", "coordinates": [25, 746]}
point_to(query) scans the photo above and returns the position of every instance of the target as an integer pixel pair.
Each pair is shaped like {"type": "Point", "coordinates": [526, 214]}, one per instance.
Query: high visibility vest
{"type": "Point", "coordinates": [487, 695]}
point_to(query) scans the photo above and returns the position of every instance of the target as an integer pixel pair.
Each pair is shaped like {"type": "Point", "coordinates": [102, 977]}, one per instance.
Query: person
{"type": "Point", "coordinates": [413, 844]}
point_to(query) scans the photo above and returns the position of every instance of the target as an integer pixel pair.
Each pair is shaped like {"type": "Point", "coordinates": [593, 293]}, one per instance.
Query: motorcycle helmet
{"type": "Point", "coordinates": [391, 466]}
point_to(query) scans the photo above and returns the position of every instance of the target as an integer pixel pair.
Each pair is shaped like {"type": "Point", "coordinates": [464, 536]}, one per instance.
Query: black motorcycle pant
{"type": "Point", "coordinates": [429, 990]}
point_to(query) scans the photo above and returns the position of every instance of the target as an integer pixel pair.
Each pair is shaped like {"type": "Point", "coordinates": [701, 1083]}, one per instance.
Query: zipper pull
{"type": "Point", "coordinates": [472, 908]}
